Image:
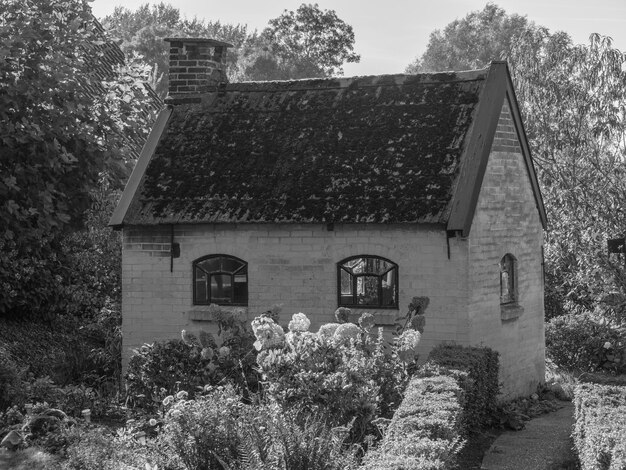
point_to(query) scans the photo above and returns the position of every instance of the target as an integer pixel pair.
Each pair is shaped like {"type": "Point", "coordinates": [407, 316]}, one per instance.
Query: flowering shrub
{"type": "Point", "coordinates": [163, 368]}
{"type": "Point", "coordinates": [340, 371]}
{"type": "Point", "coordinates": [203, 432]}
{"type": "Point", "coordinates": [268, 334]}
{"type": "Point", "coordinates": [586, 343]}
{"type": "Point", "coordinates": [216, 430]}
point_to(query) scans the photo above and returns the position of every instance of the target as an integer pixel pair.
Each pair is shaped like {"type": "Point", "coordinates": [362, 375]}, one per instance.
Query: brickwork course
{"type": "Point", "coordinates": [430, 171]}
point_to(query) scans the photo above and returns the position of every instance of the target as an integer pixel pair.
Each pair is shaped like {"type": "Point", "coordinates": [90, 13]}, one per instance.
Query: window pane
{"type": "Point", "coordinates": [376, 266]}
{"type": "Point", "coordinates": [240, 290]}
{"type": "Point", "coordinates": [230, 265]}
{"type": "Point", "coordinates": [356, 265]}
{"type": "Point", "coordinates": [210, 265]}
{"type": "Point", "coordinates": [221, 288]}
{"type": "Point", "coordinates": [507, 279]}
{"type": "Point", "coordinates": [201, 287]}
{"type": "Point", "coordinates": [367, 290]}
{"type": "Point", "coordinates": [389, 288]}
{"type": "Point", "coordinates": [346, 283]}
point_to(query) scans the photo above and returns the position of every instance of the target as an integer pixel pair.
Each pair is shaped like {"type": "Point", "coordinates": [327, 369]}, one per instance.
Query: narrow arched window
{"type": "Point", "coordinates": [367, 281]}
{"type": "Point", "coordinates": [220, 279]}
{"type": "Point", "coordinates": [508, 279]}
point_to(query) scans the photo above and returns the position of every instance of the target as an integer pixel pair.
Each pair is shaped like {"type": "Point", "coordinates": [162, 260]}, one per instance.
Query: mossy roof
{"type": "Point", "coordinates": [379, 149]}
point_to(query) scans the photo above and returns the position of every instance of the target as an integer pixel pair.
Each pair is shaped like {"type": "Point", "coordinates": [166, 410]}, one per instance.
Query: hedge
{"type": "Point", "coordinates": [456, 388]}
{"type": "Point", "coordinates": [426, 429]}
{"type": "Point", "coordinates": [480, 366]}
{"type": "Point", "coordinates": [600, 427]}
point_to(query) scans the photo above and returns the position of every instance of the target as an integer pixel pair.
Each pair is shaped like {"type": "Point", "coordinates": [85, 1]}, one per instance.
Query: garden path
{"type": "Point", "coordinates": [544, 444]}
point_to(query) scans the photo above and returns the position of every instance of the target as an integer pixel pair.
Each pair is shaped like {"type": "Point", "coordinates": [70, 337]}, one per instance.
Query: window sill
{"type": "Point", "coordinates": [202, 313]}
{"type": "Point", "coordinates": [510, 312]}
{"type": "Point", "coordinates": [382, 316]}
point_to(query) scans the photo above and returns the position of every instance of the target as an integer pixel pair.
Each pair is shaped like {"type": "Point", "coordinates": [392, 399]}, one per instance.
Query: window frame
{"type": "Point", "coordinates": [353, 304]}
{"type": "Point", "coordinates": [194, 267]}
{"type": "Point", "coordinates": [512, 279]}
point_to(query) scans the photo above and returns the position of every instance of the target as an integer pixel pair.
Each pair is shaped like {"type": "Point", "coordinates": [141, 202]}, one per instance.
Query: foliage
{"type": "Point", "coordinates": [277, 439]}
{"type": "Point", "coordinates": [217, 430]}
{"type": "Point", "coordinates": [600, 426]}
{"type": "Point", "coordinates": [571, 97]}
{"type": "Point", "coordinates": [203, 432]}
{"type": "Point", "coordinates": [342, 372]}
{"type": "Point", "coordinates": [10, 378]}
{"type": "Point", "coordinates": [45, 349]}
{"type": "Point", "coordinates": [142, 32]}
{"type": "Point", "coordinates": [306, 43]}
{"type": "Point", "coordinates": [162, 368]}
{"type": "Point", "coordinates": [472, 41]}
{"type": "Point", "coordinates": [587, 343]}
{"type": "Point", "coordinates": [96, 449]}
{"type": "Point", "coordinates": [426, 430]}
{"type": "Point", "coordinates": [478, 367]}
{"type": "Point", "coordinates": [92, 260]}
{"type": "Point", "coordinates": [60, 128]}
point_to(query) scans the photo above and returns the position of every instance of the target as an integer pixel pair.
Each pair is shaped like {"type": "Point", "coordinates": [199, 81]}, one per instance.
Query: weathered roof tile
{"type": "Point", "coordinates": [383, 149]}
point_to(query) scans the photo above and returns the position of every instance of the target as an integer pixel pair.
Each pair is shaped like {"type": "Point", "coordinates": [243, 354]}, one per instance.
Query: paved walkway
{"type": "Point", "coordinates": [544, 444]}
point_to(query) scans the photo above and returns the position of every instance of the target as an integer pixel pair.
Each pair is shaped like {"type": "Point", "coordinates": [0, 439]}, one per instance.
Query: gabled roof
{"type": "Point", "coordinates": [379, 149]}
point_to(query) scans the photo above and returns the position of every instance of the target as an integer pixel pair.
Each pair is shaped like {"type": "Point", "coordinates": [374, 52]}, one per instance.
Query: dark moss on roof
{"type": "Point", "coordinates": [383, 149]}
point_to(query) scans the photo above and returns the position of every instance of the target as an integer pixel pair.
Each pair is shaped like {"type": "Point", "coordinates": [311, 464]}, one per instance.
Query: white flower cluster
{"type": "Point", "coordinates": [299, 323]}
{"type": "Point", "coordinates": [407, 344]}
{"type": "Point", "coordinates": [267, 333]}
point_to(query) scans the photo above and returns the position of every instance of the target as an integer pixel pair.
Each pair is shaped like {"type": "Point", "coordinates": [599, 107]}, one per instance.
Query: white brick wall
{"type": "Point", "coordinates": [290, 264]}
{"type": "Point", "coordinates": [507, 221]}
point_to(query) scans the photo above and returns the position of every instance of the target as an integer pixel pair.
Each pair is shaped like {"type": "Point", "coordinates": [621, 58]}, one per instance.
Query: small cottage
{"type": "Point", "coordinates": [360, 192]}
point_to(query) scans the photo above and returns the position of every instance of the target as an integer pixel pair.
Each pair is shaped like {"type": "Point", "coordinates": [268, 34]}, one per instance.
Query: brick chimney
{"type": "Point", "coordinates": [195, 67]}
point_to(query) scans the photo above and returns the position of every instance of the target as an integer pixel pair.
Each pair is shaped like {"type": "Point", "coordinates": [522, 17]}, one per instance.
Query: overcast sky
{"type": "Point", "coordinates": [391, 33]}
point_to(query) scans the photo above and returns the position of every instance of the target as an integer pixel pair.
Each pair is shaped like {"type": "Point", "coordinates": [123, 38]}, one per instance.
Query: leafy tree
{"type": "Point", "coordinates": [61, 128]}
{"type": "Point", "coordinates": [142, 32]}
{"type": "Point", "coordinates": [306, 43]}
{"type": "Point", "coordinates": [472, 41]}
{"type": "Point", "coordinates": [573, 99]}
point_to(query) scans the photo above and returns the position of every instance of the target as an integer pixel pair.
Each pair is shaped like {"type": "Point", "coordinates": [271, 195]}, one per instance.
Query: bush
{"type": "Point", "coordinates": [586, 343]}
{"type": "Point", "coordinates": [342, 371]}
{"type": "Point", "coordinates": [203, 432]}
{"type": "Point", "coordinates": [164, 368]}
{"type": "Point", "coordinates": [600, 413]}
{"type": "Point", "coordinates": [97, 449]}
{"type": "Point", "coordinates": [426, 430]}
{"type": "Point", "coordinates": [216, 431]}
{"type": "Point", "coordinates": [59, 349]}
{"type": "Point", "coordinates": [480, 385]}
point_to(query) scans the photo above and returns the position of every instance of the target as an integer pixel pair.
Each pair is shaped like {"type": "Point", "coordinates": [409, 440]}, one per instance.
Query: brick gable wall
{"type": "Point", "coordinates": [507, 221]}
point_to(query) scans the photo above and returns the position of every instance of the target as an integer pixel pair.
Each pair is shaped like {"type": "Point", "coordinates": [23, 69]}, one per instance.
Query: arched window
{"type": "Point", "coordinates": [508, 279]}
{"type": "Point", "coordinates": [367, 281]}
{"type": "Point", "coordinates": [220, 279]}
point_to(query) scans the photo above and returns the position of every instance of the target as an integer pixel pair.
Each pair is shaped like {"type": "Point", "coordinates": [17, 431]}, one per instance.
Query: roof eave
{"type": "Point", "coordinates": [499, 86]}
{"type": "Point", "coordinates": [117, 219]}
{"type": "Point", "coordinates": [477, 149]}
